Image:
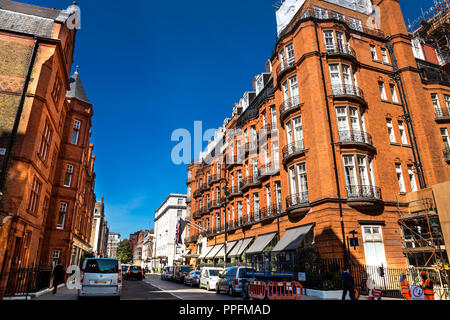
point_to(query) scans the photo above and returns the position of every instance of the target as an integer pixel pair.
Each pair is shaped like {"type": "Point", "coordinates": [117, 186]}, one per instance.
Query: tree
{"type": "Point", "coordinates": [124, 252]}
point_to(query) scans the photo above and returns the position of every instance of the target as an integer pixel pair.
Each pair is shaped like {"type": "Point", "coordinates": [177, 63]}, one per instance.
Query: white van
{"type": "Point", "coordinates": [101, 278]}
{"type": "Point", "coordinates": [209, 278]}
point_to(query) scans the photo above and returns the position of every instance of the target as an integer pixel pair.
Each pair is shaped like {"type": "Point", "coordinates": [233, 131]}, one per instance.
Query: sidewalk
{"type": "Point", "coordinates": [62, 294]}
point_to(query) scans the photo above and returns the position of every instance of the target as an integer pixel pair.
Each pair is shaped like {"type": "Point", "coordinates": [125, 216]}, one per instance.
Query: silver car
{"type": "Point", "coordinates": [101, 278]}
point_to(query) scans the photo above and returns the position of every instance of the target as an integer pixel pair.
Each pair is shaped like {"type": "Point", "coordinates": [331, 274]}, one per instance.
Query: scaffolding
{"type": "Point", "coordinates": [432, 27]}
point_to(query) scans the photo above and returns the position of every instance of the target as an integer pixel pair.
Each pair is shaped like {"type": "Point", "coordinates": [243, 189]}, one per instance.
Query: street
{"type": "Point", "coordinates": [151, 288]}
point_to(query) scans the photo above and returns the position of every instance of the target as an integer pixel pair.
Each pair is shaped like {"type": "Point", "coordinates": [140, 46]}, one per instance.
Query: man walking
{"type": "Point", "coordinates": [348, 284]}
{"type": "Point", "coordinates": [58, 276]}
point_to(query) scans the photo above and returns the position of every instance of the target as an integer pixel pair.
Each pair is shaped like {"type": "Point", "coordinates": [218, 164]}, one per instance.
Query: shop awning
{"type": "Point", "coordinates": [292, 238]}
{"type": "Point", "coordinates": [214, 251]}
{"type": "Point", "coordinates": [230, 246]}
{"type": "Point", "coordinates": [205, 252]}
{"type": "Point", "coordinates": [261, 243]}
{"type": "Point", "coordinates": [240, 247]}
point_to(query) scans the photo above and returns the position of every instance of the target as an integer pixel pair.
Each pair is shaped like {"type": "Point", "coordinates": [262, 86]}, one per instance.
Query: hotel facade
{"type": "Point", "coordinates": [341, 127]}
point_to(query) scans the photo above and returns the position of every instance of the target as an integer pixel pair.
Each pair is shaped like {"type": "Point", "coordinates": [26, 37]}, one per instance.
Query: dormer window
{"type": "Point", "coordinates": [320, 13]}
{"type": "Point", "coordinates": [355, 24]}
{"type": "Point", "coordinates": [259, 84]}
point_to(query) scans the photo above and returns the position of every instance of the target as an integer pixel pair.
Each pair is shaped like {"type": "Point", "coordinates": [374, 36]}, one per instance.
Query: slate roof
{"type": "Point", "coordinates": [76, 88]}
{"type": "Point", "coordinates": [29, 19]}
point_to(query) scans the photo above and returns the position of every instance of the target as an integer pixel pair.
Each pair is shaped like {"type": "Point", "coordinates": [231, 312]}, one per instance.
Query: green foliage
{"type": "Point", "coordinates": [124, 252]}
{"type": "Point", "coordinates": [86, 255]}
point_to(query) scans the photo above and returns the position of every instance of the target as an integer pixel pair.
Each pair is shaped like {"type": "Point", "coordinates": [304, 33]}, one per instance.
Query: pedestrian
{"type": "Point", "coordinates": [370, 284]}
{"type": "Point", "coordinates": [58, 276]}
{"type": "Point", "coordinates": [427, 286]}
{"type": "Point", "coordinates": [406, 289]}
{"type": "Point", "coordinates": [348, 284]}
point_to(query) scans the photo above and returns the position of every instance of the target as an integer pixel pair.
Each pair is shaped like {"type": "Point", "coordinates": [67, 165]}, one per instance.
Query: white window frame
{"type": "Point", "coordinates": [391, 132]}
{"type": "Point", "coordinates": [69, 171]}
{"type": "Point", "coordinates": [412, 178]}
{"type": "Point", "coordinates": [373, 50]}
{"type": "Point", "coordinates": [370, 240]}
{"type": "Point", "coordinates": [400, 178]}
{"type": "Point", "coordinates": [382, 89]}
{"type": "Point", "coordinates": [402, 130]}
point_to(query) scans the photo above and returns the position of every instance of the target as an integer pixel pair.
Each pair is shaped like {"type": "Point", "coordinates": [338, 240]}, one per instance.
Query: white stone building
{"type": "Point", "coordinates": [99, 235]}
{"type": "Point", "coordinates": [165, 253]}
{"type": "Point", "coordinates": [113, 245]}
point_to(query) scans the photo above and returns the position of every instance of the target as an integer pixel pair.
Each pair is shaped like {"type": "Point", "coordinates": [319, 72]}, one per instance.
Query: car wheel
{"type": "Point", "coordinates": [230, 291]}
{"type": "Point", "coordinates": [217, 289]}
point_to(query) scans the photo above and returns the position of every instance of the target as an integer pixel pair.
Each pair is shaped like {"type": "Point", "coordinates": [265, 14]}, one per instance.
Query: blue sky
{"type": "Point", "coordinates": [150, 67]}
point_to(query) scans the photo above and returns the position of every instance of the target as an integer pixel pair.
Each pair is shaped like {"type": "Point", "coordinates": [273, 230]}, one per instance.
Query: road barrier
{"type": "Point", "coordinates": [257, 290]}
{"type": "Point", "coordinates": [284, 291]}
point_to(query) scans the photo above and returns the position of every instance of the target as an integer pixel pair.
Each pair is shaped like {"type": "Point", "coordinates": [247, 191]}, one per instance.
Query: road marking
{"type": "Point", "coordinates": [154, 285]}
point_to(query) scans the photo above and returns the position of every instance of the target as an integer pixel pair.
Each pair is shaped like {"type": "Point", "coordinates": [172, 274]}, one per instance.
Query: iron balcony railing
{"type": "Point", "coordinates": [289, 105]}
{"type": "Point", "coordinates": [270, 169]}
{"type": "Point", "coordinates": [293, 148]}
{"type": "Point", "coordinates": [363, 192]}
{"type": "Point", "coordinates": [271, 211]}
{"type": "Point", "coordinates": [215, 178]}
{"type": "Point", "coordinates": [197, 193]}
{"type": "Point", "coordinates": [447, 154]}
{"type": "Point", "coordinates": [235, 190]}
{"type": "Point", "coordinates": [442, 114]}
{"type": "Point", "coordinates": [251, 180]}
{"type": "Point", "coordinates": [297, 199]}
{"type": "Point", "coordinates": [284, 65]}
{"type": "Point", "coordinates": [341, 50]}
{"type": "Point", "coordinates": [197, 214]}
{"type": "Point", "coordinates": [355, 137]}
{"type": "Point", "coordinates": [347, 90]}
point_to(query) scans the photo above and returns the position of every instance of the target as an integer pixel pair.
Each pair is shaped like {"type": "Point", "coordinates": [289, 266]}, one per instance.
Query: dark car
{"type": "Point", "coordinates": [234, 280]}
{"type": "Point", "coordinates": [181, 272]}
{"type": "Point", "coordinates": [135, 272]}
{"type": "Point", "coordinates": [192, 279]}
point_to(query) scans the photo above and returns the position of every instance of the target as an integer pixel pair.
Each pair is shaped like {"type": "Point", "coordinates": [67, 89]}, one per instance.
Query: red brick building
{"type": "Point", "coordinates": [335, 133]}
{"type": "Point", "coordinates": [48, 185]}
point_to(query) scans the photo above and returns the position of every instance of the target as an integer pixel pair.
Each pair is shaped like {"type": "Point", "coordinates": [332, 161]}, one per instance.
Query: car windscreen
{"type": "Point", "coordinates": [124, 268]}
{"type": "Point", "coordinates": [213, 273]}
{"type": "Point", "coordinates": [135, 268]}
{"type": "Point", "coordinates": [243, 273]}
{"type": "Point", "coordinates": [102, 266]}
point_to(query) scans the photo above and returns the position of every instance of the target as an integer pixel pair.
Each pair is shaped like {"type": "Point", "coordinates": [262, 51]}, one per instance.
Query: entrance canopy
{"type": "Point", "coordinates": [261, 243]}
{"type": "Point", "coordinates": [230, 246]}
{"type": "Point", "coordinates": [292, 238]}
{"type": "Point", "coordinates": [239, 248]}
{"type": "Point", "coordinates": [205, 252]}
{"type": "Point", "coordinates": [214, 251]}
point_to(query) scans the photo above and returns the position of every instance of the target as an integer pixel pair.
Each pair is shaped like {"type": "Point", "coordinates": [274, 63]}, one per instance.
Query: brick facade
{"type": "Point", "coordinates": [344, 160]}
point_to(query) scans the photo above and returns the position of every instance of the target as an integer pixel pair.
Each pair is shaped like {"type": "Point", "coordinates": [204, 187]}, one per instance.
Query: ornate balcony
{"type": "Point", "coordinates": [359, 138]}
{"type": "Point", "coordinates": [215, 204]}
{"type": "Point", "coordinates": [270, 212]}
{"type": "Point", "coordinates": [251, 147]}
{"type": "Point", "coordinates": [298, 204]}
{"type": "Point", "coordinates": [268, 130]}
{"type": "Point", "coordinates": [235, 191]}
{"type": "Point", "coordinates": [442, 116]}
{"type": "Point", "coordinates": [348, 91]}
{"type": "Point", "coordinates": [251, 181]}
{"type": "Point", "coordinates": [363, 196]}
{"type": "Point", "coordinates": [288, 106]}
{"type": "Point", "coordinates": [197, 193]}
{"type": "Point", "coordinates": [292, 150]}
{"type": "Point", "coordinates": [284, 66]}
{"type": "Point", "coordinates": [447, 155]}
{"type": "Point", "coordinates": [342, 51]}
{"type": "Point", "coordinates": [269, 170]}
{"type": "Point", "coordinates": [196, 215]}
{"type": "Point", "coordinates": [215, 178]}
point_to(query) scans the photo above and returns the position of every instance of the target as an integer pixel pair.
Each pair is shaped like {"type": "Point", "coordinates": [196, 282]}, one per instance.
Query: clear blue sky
{"type": "Point", "coordinates": [150, 67]}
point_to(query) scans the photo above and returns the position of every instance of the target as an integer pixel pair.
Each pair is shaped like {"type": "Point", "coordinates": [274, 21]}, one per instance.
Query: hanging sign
{"type": "Point", "coordinates": [2, 151]}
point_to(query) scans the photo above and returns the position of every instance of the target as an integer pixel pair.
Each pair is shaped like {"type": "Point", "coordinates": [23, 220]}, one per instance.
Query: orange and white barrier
{"type": "Point", "coordinates": [284, 291]}
{"type": "Point", "coordinates": [257, 290]}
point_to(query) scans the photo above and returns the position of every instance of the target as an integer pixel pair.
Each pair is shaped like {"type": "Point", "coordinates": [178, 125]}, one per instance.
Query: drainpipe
{"type": "Point", "coordinates": [336, 174]}
{"type": "Point", "coordinates": [18, 116]}
{"type": "Point", "coordinates": [407, 117]}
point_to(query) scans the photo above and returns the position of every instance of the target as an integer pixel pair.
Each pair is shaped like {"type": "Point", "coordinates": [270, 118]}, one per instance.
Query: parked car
{"type": "Point", "coordinates": [181, 272]}
{"type": "Point", "coordinates": [192, 279]}
{"type": "Point", "coordinates": [125, 270]}
{"type": "Point", "coordinates": [101, 278]}
{"type": "Point", "coordinates": [135, 272]}
{"type": "Point", "coordinates": [234, 280]}
{"type": "Point", "coordinates": [165, 273]}
{"type": "Point", "coordinates": [209, 278]}
{"type": "Point", "coordinates": [170, 273]}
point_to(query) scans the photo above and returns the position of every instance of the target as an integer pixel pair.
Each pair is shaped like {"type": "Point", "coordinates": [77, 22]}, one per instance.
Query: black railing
{"type": "Point", "coordinates": [289, 104]}
{"type": "Point", "coordinates": [347, 90]}
{"type": "Point", "coordinates": [251, 180]}
{"type": "Point", "coordinates": [447, 154]}
{"type": "Point", "coordinates": [341, 50]}
{"type": "Point", "coordinates": [355, 137]}
{"type": "Point", "coordinates": [284, 65]}
{"type": "Point", "coordinates": [271, 211]}
{"type": "Point", "coordinates": [293, 148]}
{"type": "Point", "coordinates": [297, 199]}
{"type": "Point", "coordinates": [363, 192]}
{"type": "Point", "coordinates": [270, 169]}
{"type": "Point", "coordinates": [22, 282]}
